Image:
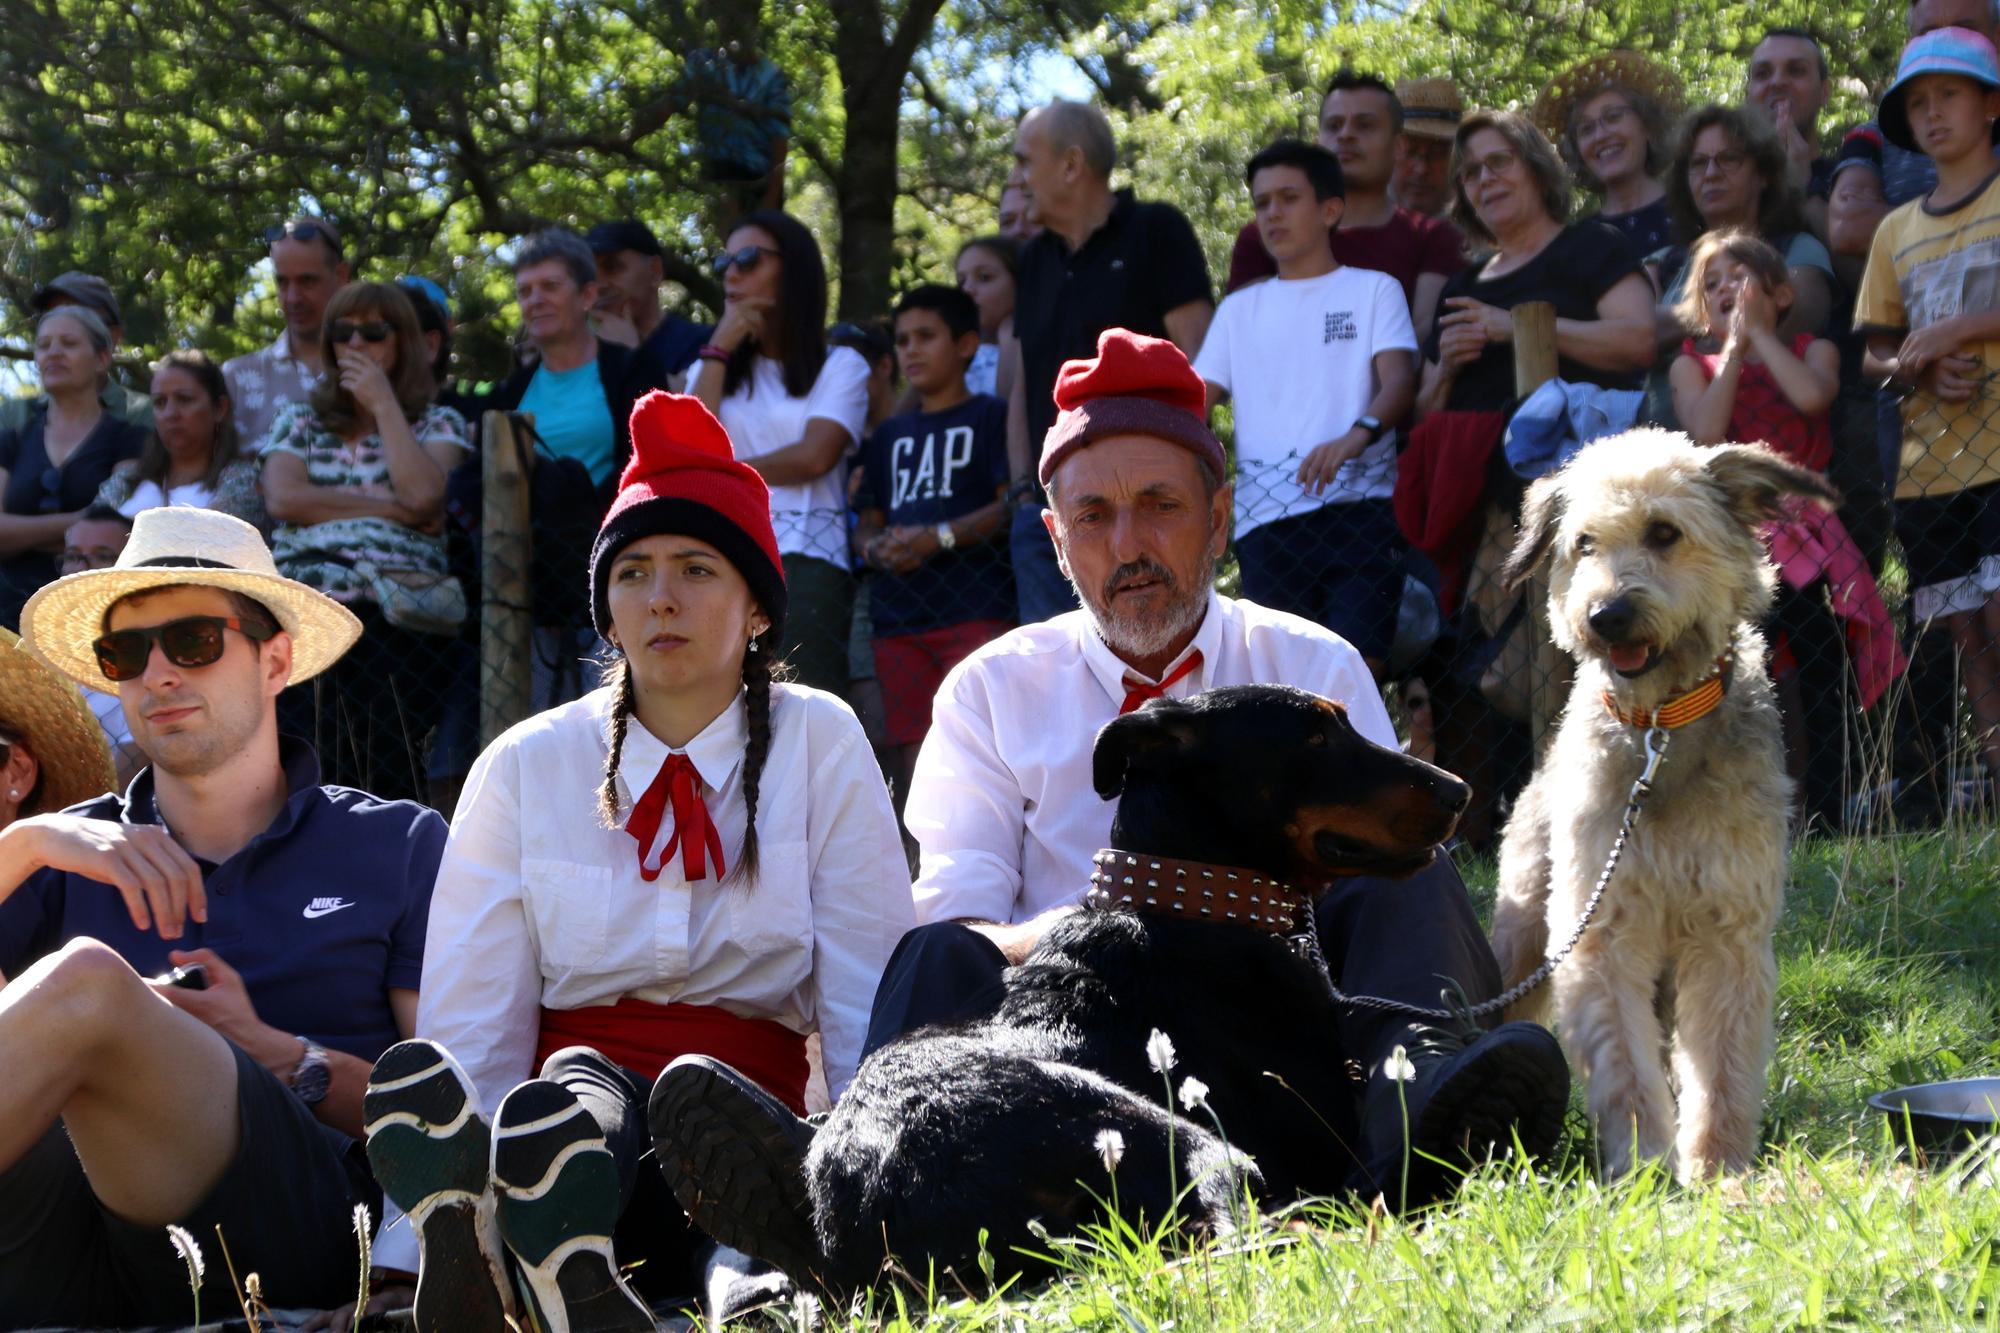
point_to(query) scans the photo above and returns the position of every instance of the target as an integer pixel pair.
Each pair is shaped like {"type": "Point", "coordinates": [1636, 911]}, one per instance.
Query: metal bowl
{"type": "Point", "coordinates": [1941, 1117]}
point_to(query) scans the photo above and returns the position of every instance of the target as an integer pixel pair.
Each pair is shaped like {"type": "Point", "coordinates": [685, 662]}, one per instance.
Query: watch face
{"type": "Point", "coordinates": [312, 1078]}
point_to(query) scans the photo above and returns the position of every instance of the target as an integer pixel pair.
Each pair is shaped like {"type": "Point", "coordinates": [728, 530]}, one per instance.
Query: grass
{"type": "Point", "coordinates": [1889, 974]}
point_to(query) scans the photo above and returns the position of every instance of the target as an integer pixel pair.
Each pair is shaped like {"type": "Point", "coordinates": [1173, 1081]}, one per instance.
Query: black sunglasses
{"type": "Point", "coordinates": [373, 330]}
{"type": "Point", "coordinates": [745, 259]}
{"type": "Point", "coordinates": [303, 231]}
{"type": "Point", "coordinates": [192, 641]}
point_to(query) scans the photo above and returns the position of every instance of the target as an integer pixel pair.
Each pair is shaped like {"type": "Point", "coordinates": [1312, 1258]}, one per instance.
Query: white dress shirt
{"type": "Point", "coordinates": [537, 903]}
{"type": "Point", "coordinates": [1002, 801]}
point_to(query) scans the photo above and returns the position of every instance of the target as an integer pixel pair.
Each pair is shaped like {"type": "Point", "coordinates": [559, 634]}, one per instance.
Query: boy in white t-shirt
{"type": "Point", "coordinates": [1320, 365]}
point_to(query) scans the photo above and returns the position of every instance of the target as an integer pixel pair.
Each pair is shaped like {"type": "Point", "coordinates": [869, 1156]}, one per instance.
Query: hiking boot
{"type": "Point", "coordinates": [1466, 1095]}
{"type": "Point", "coordinates": [735, 1157]}
{"type": "Point", "coordinates": [558, 1205]}
{"type": "Point", "coordinates": [427, 1140]}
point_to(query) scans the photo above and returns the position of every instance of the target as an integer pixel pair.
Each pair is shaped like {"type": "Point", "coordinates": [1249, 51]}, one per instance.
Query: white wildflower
{"type": "Point", "coordinates": [1194, 1093]}
{"type": "Point", "coordinates": [190, 1252]}
{"type": "Point", "coordinates": [1398, 1066]}
{"type": "Point", "coordinates": [1111, 1147]}
{"type": "Point", "coordinates": [1160, 1051]}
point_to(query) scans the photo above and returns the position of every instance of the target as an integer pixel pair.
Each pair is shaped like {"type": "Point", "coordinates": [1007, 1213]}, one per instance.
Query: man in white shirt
{"type": "Point", "coordinates": [1004, 808]}
{"type": "Point", "coordinates": [1320, 362]}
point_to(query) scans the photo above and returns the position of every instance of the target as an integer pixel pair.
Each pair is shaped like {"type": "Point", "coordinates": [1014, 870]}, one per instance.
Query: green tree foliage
{"type": "Point", "coordinates": [153, 140]}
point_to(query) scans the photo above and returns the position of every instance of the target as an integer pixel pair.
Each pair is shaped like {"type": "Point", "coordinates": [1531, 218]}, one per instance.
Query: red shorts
{"type": "Point", "coordinates": [910, 667]}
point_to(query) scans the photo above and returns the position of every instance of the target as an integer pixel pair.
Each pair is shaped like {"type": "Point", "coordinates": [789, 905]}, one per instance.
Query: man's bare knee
{"type": "Point", "coordinates": [83, 990]}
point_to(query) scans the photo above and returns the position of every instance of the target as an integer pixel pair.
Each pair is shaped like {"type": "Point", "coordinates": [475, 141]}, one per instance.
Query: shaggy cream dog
{"type": "Point", "coordinates": [1656, 573]}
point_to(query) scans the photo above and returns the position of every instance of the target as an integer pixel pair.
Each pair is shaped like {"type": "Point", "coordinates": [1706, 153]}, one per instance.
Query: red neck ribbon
{"type": "Point", "coordinates": [1138, 691]}
{"type": "Point", "coordinates": [679, 784]}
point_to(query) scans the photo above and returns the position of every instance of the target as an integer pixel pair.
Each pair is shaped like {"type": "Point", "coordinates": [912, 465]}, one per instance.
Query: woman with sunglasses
{"type": "Point", "coordinates": [355, 477]}
{"type": "Point", "coordinates": [192, 457]}
{"type": "Point", "coordinates": [795, 410]}
{"type": "Point", "coordinates": [51, 467]}
{"type": "Point", "coordinates": [693, 860]}
{"type": "Point", "coordinates": [1729, 171]}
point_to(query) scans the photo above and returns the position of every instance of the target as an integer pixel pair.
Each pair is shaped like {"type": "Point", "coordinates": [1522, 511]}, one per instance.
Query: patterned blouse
{"type": "Point", "coordinates": [363, 466]}
{"type": "Point", "coordinates": [235, 493]}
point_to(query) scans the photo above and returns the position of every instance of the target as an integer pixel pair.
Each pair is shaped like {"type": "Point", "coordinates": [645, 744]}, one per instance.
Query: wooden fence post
{"type": "Point", "coordinates": [506, 611]}
{"type": "Point", "coordinates": [1534, 346]}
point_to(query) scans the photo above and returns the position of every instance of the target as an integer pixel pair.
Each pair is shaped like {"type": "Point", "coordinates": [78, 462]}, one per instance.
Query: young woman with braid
{"type": "Point", "coordinates": [693, 859]}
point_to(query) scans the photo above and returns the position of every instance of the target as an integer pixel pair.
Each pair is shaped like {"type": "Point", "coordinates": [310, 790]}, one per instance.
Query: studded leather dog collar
{"type": "Point", "coordinates": [1196, 891]}
{"type": "Point", "coordinates": [1682, 709]}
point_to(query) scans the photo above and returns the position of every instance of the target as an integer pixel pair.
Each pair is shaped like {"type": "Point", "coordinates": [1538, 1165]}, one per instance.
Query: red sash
{"type": "Point", "coordinates": [645, 1038]}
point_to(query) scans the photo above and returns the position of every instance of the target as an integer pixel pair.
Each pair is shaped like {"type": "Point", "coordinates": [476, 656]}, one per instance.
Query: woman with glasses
{"type": "Point", "coordinates": [1612, 116]}
{"type": "Point", "coordinates": [51, 467]}
{"type": "Point", "coordinates": [355, 478]}
{"type": "Point", "coordinates": [1511, 195]}
{"type": "Point", "coordinates": [795, 410]}
{"type": "Point", "coordinates": [192, 457]}
{"type": "Point", "coordinates": [1729, 171]}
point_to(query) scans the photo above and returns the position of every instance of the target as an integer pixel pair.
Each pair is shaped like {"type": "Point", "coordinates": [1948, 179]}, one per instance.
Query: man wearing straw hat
{"type": "Point", "coordinates": [1432, 109]}
{"type": "Point", "coordinates": [129, 1104]}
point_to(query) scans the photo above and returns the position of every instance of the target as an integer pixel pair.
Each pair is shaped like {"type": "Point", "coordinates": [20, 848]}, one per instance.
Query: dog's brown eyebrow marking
{"type": "Point", "coordinates": [1329, 706]}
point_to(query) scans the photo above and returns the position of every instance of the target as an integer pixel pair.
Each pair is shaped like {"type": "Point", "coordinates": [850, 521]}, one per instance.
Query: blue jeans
{"type": "Point", "coordinates": [1040, 589]}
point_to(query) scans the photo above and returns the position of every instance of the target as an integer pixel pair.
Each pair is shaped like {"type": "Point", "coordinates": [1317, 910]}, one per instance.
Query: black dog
{"type": "Point", "coordinates": [1003, 1123]}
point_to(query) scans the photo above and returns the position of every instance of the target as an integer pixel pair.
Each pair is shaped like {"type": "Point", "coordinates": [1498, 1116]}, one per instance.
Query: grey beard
{"type": "Point", "coordinates": [1145, 636]}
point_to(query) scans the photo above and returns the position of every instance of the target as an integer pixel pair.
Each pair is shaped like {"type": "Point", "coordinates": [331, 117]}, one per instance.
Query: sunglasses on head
{"type": "Point", "coordinates": [303, 231]}
{"type": "Point", "coordinates": [371, 330]}
{"type": "Point", "coordinates": [192, 641]}
{"type": "Point", "coordinates": [744, 260]}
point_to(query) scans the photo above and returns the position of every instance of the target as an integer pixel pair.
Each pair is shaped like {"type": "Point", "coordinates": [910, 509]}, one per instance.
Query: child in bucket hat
{"type": "Point", "coordinates": [1956, 53]}
{"type": "Point", "coordinates": [641, 927]}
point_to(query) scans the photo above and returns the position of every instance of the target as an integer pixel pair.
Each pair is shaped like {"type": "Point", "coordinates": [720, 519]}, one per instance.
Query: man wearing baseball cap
{"type": "Point", "coordinates": [1003, 805]}
{"type": "Point", "coordinates": [132, 1104]}
{"type": "Point", "coordinates": [89, 290]}
{"type": "Point", "coordinates": [630, 269]}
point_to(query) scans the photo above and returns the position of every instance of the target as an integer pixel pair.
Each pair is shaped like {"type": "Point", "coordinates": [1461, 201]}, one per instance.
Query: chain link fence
{"type": "Point", "coordinates": [1466, 666]}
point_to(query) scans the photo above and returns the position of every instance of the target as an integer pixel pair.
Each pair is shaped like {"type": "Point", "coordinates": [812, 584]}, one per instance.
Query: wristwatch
{"type": "Point", "coordinates": [312, 1078]}
{"type": "Point", "coordinates": [1373, 425]}
{"type": "Point", "coordinates": [947, 539]}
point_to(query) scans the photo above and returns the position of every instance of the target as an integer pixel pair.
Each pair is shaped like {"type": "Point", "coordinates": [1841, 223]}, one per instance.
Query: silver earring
{"type": "Point", "coordinates": [753, 645]}
{"type": "Point", "coordinates": [13, 793]}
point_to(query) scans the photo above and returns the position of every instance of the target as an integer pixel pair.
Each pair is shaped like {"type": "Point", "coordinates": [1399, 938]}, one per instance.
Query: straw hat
{"type": "Point", "coordinates": [1432, 108]}
{"type": "Point", "coordinates": [48, 714]}
{"type": "Point", "coordinates": [180, 545]}
{"type": "Point", "coordinates": [1613, 69]}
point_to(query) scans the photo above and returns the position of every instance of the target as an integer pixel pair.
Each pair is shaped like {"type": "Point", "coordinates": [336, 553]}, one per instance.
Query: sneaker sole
{"type": "Point", "coordinates": [558, 1206]}
{"type": "Point", "coordinates": [1512, 1090]}
{"type": "Point", "coordinates": [735, 1158]}
{"type": "Point", "coordinates": [427, 1142]}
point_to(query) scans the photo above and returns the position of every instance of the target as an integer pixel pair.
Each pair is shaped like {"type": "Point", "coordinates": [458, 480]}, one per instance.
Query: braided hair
{"type": "Point", "coordinates": [758, 673]}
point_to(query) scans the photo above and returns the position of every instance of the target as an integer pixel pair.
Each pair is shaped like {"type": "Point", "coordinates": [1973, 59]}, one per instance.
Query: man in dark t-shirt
{"type": "Point", "coordinates": [1359, 119]}
{"type": "Point", "coordinates": [1787, 77]}
{"type": "Point", "coordinates": [1104, 260]}
{"type": "Point", "coordinates": [932, 511]}
{"type": "Point", "coordinates": [131, 1104]}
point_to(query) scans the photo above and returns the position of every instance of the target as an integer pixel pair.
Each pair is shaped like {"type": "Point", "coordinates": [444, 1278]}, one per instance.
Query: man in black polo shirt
{"type": "Point", "coordinates": [1104, 260]}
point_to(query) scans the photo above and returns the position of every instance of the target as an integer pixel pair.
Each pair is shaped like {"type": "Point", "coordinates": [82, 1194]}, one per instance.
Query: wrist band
{"type": "Point", "coordinates": [710, 352]}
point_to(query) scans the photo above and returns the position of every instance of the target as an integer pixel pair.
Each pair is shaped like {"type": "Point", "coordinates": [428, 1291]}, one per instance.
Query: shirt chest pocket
{"type": "Point", "coordinates": [773, 914]}
{"type": "Point", "coordinates": [569, 905]}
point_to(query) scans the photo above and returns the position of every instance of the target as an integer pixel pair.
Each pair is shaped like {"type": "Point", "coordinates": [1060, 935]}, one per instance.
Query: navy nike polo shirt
{"type": "Point", "coordinates": [323, 912]}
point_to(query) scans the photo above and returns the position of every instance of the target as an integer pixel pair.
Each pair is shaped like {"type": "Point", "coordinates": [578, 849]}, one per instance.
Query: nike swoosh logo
{"type": "Point", "coordinates": [316, 911]}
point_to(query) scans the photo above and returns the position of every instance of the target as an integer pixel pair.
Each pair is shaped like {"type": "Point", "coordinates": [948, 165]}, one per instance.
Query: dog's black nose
{"type": "Point", "coordinates": [1453, 794]}
{"type": "Point", "coordinates": [1612, 620]}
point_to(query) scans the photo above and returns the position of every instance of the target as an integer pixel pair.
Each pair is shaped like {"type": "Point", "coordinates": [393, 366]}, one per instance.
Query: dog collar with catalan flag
{"type": "Point", "coordinates": [1196, 891]}
{"type": "Point", "coordinates": [1682, 709]}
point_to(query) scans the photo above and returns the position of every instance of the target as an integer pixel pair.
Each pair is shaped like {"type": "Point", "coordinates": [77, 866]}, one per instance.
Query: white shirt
{"type": "Point", "coordinates": [537, 903]}
{"type": "Point", "coordinates": [1297, 358]}
{"type": "Point", "coordinates": [148, 495]}
{"type": "Point", "coordinates": [761, 418]}
{"type": "Point", "coordinates": [261, 385]}
{"type": "Point", "coordinates": [1002, 801]}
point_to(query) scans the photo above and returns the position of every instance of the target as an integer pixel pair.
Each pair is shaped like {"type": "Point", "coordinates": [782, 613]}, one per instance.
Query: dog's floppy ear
{"type": "Point", "coordinates": [1160, 733]}
{"type": "Point", "coordinates": [1541, 515]}
{"type": "Point", "coordinates": [1753, 479]}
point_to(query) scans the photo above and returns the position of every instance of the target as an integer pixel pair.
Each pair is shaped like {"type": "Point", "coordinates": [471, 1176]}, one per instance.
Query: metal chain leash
{"type": "Point", "coordinates": [1306, 944]}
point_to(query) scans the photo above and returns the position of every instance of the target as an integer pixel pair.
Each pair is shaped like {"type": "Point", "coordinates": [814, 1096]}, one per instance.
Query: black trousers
{"type": "Point", "coordinates": [1399, 939]}
{"type": "Point", "coordinates": [651, 1223]}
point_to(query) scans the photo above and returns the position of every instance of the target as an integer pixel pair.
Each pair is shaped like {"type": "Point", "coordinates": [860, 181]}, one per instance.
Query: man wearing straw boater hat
{"type": "Point", "coordinates": [1432, 109]}
{"type": "Point", "coordinates": [130, 1104]}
